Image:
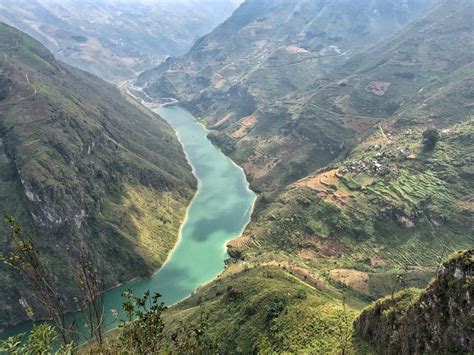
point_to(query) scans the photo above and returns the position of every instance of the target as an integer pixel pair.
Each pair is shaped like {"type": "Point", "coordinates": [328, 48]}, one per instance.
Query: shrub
{"type": "Point", "coordinates": [430, 137]}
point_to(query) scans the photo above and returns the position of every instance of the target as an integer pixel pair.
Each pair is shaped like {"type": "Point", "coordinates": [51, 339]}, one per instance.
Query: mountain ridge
{"type": "Point", "coordinates": [83, 164]}
{"type": "Point", "coordinates": [115, 40]}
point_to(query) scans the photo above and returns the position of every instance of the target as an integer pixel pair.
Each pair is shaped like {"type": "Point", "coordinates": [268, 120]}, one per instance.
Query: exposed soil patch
{"type": "Point", "coordinates": [321, 181]}
{"type": "Point", "coordinates": [307, 254]}
{"type": "Point", "coordinates": [246, 124]}
{"type": "Point", "coordinates": [323, 184]}
{"type": "Point", "coordinates": [296, 50]}
{"type": "Point", "coordinates": [367, 181]}
{"type": "Point", "coordinates": [357, 280]}
{"type": "Point", "coordinates": [467, 205]}
{"type": "Point", "coordinates": [217, 81]}
{"type": "Point", "coordinates": [378, 87]}
{"type": "Point", "coordinates": [374, 261]}
{"type": "Point", "coordinates": [239, 242]}
{"type": "Point", "coordinates": [222, 121]}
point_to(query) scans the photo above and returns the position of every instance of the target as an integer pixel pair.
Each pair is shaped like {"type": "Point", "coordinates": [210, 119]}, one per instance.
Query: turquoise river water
{"type": "Point", "coordinates": [218, 213]}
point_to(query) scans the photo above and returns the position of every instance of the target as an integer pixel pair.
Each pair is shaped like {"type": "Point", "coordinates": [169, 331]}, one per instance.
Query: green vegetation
{"type": "Point", "coordinates": [363, 162]}
{"type": "Point", "coordinates": [41, 340]}
{"type": "Point", "coordinates": [430, 138]}
{"type": "Point", "coordinates": [354, 197]}
{"type": "Point", "coordinates": [140, 333]}
{"type": "Point", "coordinates": [265, 309]}
{"type": "Point", "coordinates": [81, 162]}
{"type": "Point", "coordinates": [267, 63]}
{"type": "Point", "coordinates": [415, 321]}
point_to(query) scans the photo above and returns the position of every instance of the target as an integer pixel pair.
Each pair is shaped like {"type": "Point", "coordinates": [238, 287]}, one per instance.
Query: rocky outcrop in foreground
{"type": "Point", "coordinates": [439, 319]}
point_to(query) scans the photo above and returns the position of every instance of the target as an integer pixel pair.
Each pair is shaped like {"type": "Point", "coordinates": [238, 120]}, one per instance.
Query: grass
{"type": "Point", "coordinates": [149, 219]}
{"type": "Point", "coordinates": [265, 309]}
{"type": "Point", "coordinates": [409, 219]}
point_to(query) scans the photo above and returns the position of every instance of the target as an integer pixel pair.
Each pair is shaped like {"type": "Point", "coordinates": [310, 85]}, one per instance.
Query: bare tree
{"type": "Point", "coordinates": [91, 286]}
{"type": "Point", "coordinates": [25, 258]}
{"type": "Point", "coordinates": [344, 327]}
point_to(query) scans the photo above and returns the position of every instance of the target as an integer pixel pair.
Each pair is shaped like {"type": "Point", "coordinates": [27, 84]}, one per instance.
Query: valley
{"type": "Point", "coordinates": [353, 124]}
{"type": "Point", "coordinates": [351, 199]}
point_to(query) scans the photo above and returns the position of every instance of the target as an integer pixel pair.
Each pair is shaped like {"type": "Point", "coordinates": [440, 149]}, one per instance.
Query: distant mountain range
{"type": "Point", "coordinates": [115, 40]}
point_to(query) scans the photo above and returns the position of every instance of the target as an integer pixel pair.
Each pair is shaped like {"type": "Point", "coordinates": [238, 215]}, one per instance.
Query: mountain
{"type": "Point", "coordinates": [239, 76]}
{"type": "Point", "coordinates": [363, 163]}
{"type": "Point", "coordinates": [81, 164]}
{"type": "Point", "coordinates": [265, 309]}
{"type": "Point", "coordinates": [391, 205]}
{"type": "Point", "coordinates": [438, 319]}
{"type": "Point", "coordinates": [115, 39]}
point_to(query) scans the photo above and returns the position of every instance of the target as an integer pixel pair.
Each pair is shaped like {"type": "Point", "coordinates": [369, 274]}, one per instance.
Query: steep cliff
{"type": "Point", "coordinates": [438, 320]}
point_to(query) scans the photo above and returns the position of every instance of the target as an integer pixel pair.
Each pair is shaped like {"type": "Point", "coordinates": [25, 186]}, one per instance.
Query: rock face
{"type": "Point", "coordinates": [437, 320]}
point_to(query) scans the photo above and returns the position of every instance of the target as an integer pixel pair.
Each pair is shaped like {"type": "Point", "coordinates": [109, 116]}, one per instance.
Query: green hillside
{"type": "Point", "coordinates": [391, 205]}
{"type": "Point", "coordinates": [347, 187]}
{"type": "Point", "coordinates": [249, 79]}
{"type": "Point", "coordinates": [83, 165]}
{"type": "Point", "coordinates": [265, 310]}
{"type": "Point", "coordinates": [363, 162]}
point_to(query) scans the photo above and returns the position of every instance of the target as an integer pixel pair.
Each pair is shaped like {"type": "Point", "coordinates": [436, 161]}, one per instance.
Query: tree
{"type": "Point", "coordinates": [141, 331]}
{"type": "Point", "coordinates": [91, 286]}
{"type": "Point", "coordinates": [40, 341]}
{"type": "Point", "coordinates": [26, 259]}
{"type": "Point", "coordinates": [431, 136]}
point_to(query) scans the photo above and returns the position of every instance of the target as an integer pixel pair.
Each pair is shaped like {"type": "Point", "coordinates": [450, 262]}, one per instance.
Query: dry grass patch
{"type": "Point", "coordinates": [357, 280]}
{"type": "Point", "coordinates": [321, 181]}
{"type": "Point", "coordinates": [246, 124]}
{"type": "Point", "coordinates": [324, 184]}
{"type": "Point", "coordinates": [307, 254]}
{"type": "Point", "coordinates": [239, 242]}
{"type": "Point", "coordinates": [378, 87]}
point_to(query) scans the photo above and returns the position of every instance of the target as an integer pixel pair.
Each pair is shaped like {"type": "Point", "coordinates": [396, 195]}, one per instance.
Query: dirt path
{"type": "Point", "coordinates": [300, 272]}
{"type": "Point", "coordinates": [346, 114]}
{"type": "Point", "coordinates": [382, 132]}
{"type": "Point", "coordinates": [308, 59]}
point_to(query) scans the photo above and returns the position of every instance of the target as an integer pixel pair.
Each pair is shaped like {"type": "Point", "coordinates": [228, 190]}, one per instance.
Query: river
{"type": "Point", "coordinates": [218, 213]}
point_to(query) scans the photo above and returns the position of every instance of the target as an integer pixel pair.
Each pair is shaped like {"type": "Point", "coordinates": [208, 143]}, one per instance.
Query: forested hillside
{"type": "Point", "coordinates": [82, 166]}
{"type": "Point", "coordinates": [354, 123]}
